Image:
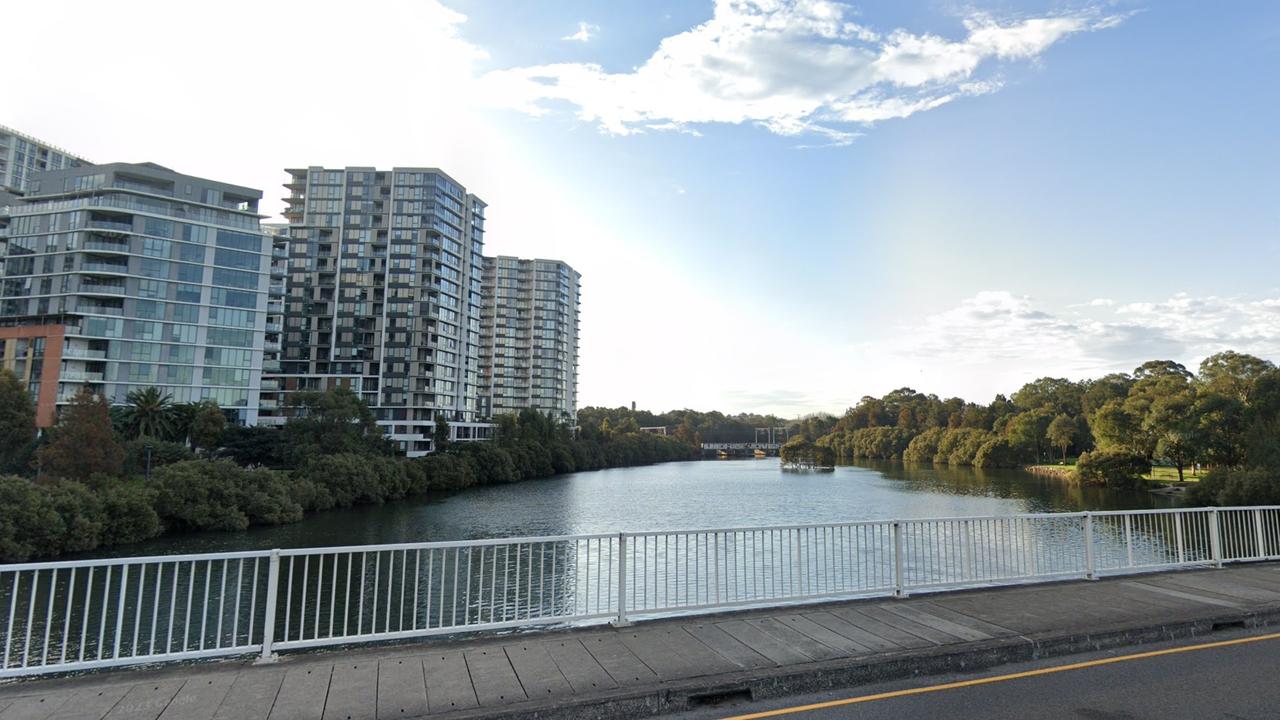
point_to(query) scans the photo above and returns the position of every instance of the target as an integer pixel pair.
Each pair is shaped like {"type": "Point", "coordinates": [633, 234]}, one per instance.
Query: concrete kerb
{"type": "Point", "coordinates": [852, 672]}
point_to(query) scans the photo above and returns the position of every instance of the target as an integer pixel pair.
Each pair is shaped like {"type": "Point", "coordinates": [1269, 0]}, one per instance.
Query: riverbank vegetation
{"type": "Point", "coordinates": [1108, 431]}
{"type": "Point", "coordinates": [105, 476]}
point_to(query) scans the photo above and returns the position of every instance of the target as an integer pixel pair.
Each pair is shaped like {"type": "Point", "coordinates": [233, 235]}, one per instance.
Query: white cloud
{"type": "Point", "coordinates": [791, 66]}
{"type": "Point", "coordinates": [994, 341]}
{"type": "Point", "coordinates": [584, 33]}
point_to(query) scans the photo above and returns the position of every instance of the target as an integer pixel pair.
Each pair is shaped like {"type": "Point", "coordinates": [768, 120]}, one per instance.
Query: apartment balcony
{"type": "Point", "coordinates": [271, 346]}
{"type": "Point", "coordinates": [88, 288]}
{"type": "Point", "coordinates": [104, 245]}
{"type": "Point", "coordinates": [110, 225]}
{"type": "Point", "coordinates": [274, 327]}
{"type": "Point", "coordinates": [270, 384]}
{"type": "Point", "coordinates": [80, 376]}
{"type": "Point", "coordinates": [271, 366]}
{"type": "Point", "coordinates": [267, 404]}
{"type": "Point", "coordinates": [78, 353]}
{"type": "Point", "coordinates": [101, 267]}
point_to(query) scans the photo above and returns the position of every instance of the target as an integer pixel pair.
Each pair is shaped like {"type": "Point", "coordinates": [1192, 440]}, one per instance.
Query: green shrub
{"type": "Point", "coordinates": [1225, 488]}
{"type": "Point", "coordinates": [29, 523]}
{"type": "Point", "coordinates": [996, 453]}
{"type": "Point", "coordinates": [129, 514]}
{"type": "Point", "coordinates": [218, 495]}
{"type": "Point", "coordinates": [1112, 468]}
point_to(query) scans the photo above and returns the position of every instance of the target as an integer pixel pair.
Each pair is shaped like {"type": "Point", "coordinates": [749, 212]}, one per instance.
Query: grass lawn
{"type": "Point", "coordinates": [1157, 474]}
{"type": "Point", "coordinates": [1169, 474]}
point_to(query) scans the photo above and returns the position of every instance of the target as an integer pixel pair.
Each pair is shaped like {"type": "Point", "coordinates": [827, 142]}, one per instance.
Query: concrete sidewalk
{"type": "Point", "coordinates": [675, 664]}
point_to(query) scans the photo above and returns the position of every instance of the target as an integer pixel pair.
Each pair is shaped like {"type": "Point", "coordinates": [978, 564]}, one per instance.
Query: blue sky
{"type": "Point", "coordinates": [775, 205]}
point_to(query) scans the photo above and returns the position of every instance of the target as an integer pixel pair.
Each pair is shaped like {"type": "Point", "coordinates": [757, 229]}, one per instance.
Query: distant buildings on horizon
{"type": "Point", "coordinates": [122, 276]}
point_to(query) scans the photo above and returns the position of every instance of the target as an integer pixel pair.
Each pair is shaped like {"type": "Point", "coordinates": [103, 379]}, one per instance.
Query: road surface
{"type": "Point", "coordinates": [1192, 680]}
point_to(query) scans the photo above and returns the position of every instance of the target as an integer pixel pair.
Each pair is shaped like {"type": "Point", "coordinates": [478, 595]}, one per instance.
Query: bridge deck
{"type": "Point", "coordinates": [653, 665]}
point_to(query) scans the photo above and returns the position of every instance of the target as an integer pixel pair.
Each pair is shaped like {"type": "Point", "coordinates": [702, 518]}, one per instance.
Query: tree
{"type": "Point", "coordinates": [207, 425]}
{"type": "Point", "coordinates": [83, 442]}
{"type": "Point", "coordinates": [17, 422]}
{"type": "Point", "coordinates": [149, 413]}
{"type": "Point", "coordinates": [1115, 428]}
{"type": "Point", "coordinates": [1233, 374]}
{"type": "Point", "coordinates": [1172, 420]}
{"type": "Point", "coordinates": [1061, 432]}
{"type": "Point", "coordinates": [328, 422]}
{"type": "Point", "coordinates": [1026, 430]}
{"type": "Point", "coordinates": [440, 433]}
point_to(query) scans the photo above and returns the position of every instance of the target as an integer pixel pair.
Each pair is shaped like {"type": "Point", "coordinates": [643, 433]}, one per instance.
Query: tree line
{"type": "Point", "coordinates": [1225, 417]}
{"type": "Point", "coordinates": [105, 476]}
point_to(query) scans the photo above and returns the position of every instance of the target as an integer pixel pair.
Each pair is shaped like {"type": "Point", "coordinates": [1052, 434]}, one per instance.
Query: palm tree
{"type": "Point", "coordinates": [150, 414]}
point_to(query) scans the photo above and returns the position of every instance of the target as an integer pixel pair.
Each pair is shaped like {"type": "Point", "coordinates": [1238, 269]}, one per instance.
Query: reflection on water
{"type": "Point", "coordinates": [675, 496]}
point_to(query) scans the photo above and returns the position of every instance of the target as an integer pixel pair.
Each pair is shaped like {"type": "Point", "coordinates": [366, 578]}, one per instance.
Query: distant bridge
{"type": "Point", "coordinates": [742, 446]}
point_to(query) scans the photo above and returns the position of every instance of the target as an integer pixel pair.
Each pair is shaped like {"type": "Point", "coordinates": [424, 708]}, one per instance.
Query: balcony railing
{"type": "Point", "coordinates": [109, 225]}
{"type": "Point", "coordinates": [101, 289]}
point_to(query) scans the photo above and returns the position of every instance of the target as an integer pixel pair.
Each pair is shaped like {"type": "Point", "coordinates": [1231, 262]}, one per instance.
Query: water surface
{"type": "Point", "coordinates": [675, 496]}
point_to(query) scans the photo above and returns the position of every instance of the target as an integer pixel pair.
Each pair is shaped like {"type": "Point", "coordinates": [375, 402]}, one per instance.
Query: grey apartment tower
{"type": "Point", "coordinates": [124, 276]}
{"type": "Point", "coordinates": [383, 296]}
{"type": "Point", "coordinates": [22, 157]}
{"type": "Point", "coordinates": [529, 337]}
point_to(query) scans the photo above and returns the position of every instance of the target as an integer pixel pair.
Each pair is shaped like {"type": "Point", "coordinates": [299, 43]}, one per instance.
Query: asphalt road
{"type": "Point", "coordinates": [1240, 681]}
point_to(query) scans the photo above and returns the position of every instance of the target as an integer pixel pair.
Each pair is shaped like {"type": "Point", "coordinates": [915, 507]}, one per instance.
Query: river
{"type": "Point", "coordinates": [674, 496]}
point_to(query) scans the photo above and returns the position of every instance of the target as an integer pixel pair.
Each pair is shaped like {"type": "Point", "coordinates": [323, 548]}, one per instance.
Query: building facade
{"type": "Point", "coordinates": [529, 331]}
{"type": "Point", "coordinates": [22, 156]}
{"type": "Point", "coordinates": [155, 279]}
{"type": "Point", "coordinates": [271, 409]}
{"type": "Point", "coordinates": [383, 296]}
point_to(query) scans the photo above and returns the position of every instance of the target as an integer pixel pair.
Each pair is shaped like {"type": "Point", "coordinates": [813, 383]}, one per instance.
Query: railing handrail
{"type": "Point", "coordinates": [440, 544]}
{"type": "Point", "coordinates": [81, 614]}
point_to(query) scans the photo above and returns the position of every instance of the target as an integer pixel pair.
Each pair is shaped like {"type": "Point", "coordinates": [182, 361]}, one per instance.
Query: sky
{"type": "Point", "coordinates": [776, 205]}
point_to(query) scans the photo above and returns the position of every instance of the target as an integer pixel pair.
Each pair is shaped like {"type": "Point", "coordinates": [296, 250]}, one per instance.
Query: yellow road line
{"type": "Point", "coordinates": [1001, 678]}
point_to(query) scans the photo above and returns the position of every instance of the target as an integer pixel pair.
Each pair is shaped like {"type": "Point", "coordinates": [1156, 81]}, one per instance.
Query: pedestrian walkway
{"type": "Point", "coordinates": [673, 664]}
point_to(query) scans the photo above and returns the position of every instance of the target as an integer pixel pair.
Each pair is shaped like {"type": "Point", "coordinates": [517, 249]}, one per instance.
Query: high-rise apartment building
{"type": "Point", "coordinates": [22, 156]}
{"type": "Point", "coordinates": [271, 410]}
{"type": "Point", "coordinates": [529, 337]}
{"type": "Point", "coordinates": [126, 276]}
{"type": "Point", "coordinates": [383, 295]}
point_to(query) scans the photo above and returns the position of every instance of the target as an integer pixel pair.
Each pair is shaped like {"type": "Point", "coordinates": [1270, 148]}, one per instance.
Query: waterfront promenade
{"type": "Point", "coordinates": [673, 664]}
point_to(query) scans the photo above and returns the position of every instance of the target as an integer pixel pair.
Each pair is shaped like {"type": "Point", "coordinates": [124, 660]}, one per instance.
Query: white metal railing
{"type": "Point", "coordinates": [83, 614]}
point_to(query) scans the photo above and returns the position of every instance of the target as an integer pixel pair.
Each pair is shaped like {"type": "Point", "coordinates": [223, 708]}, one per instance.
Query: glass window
{"type": "Point", "coordinates": [156, 226]}
{"type": "Point", "coordinates": [234, 259]}
{"type": "Point", "coordinates": [241, 241]}
{"type": "Point", "coordinates": [228, 336]}
{"type": "Point", "coordinates": [153, 268]}
{"type": "Point", "coordinates": [150, 289]}
{"type": "Point", "coordinates": [235, 278]}
{"type": "Point", "coordinates": [191, 253]}
{"type": "Point", "coordinates": [190, 273]}
{"type": "Point", "coordinates": [187, 293]}
{"type": "Point", "coordinates": [234, 298]}
{"type": "Point", "coordinates": [156, 248]}
{"type": "Point", "coordinates": [195, 233]}
{"type": "Point", "coordinates": [186, 313]}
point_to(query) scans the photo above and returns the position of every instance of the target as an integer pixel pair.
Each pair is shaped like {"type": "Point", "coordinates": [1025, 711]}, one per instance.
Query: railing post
{"type": "Point", "coordinates": [1178, 535]}
{"type": "Point", "coordinates": [899, 585]}
{"type": "Point", "coordinates": [1215, 539]}
{"type": "Point", "coordinates": [621, 620]}
{"type": "Point", "coordinates": [1262, 539]}
{"type": "Point", "coordinates": [269, 616]}
{"type": "Point", "coordinates": [1088, 547]}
